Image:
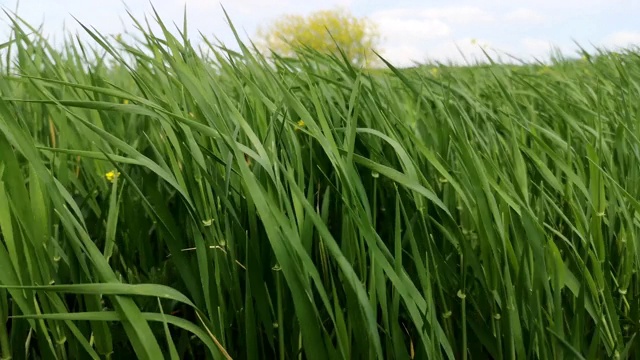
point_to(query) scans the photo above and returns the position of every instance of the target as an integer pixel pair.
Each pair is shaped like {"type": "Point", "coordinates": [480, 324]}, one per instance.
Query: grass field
{"type": "Point", "coordinates": [159, 203]}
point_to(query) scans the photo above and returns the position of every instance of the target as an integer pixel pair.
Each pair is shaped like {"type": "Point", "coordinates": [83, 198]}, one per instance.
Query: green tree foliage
{"type": "Point", "coordinates": [325, 31]}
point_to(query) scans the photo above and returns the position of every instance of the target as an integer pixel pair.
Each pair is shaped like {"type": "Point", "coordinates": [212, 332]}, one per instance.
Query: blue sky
{"type": "Point", "coordinates": [412, 30]}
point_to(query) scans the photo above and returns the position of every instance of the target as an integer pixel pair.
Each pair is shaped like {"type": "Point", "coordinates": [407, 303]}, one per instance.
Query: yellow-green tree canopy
{"type": "Point", "coordinates": [324, 31]}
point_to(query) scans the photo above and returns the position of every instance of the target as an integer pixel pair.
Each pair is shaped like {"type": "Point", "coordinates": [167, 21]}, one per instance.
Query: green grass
{"type": "Point", "coordinates": [464, 213]}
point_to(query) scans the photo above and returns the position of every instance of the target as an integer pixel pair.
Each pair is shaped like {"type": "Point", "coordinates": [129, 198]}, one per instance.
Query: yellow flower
{"type": "Point", "coordinates": [125, 101]}
{"type": "Point", "coordinates": [112, 175]}
{"type": "Point", "coordinates": [300, 124]}
{"type": "Point", "coordinates": [435, 71]}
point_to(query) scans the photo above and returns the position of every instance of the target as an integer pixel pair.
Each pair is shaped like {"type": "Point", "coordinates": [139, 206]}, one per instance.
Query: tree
{"type": "Point", "coordinates": [325, 31]}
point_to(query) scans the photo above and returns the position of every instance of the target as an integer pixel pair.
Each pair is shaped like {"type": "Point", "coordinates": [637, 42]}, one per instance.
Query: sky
{"type": "Point", "coordinates": [412, 31]}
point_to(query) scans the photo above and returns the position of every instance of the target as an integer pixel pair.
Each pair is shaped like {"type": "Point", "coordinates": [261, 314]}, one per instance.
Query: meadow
{"type": "Point", "coordinates": [161, 202]}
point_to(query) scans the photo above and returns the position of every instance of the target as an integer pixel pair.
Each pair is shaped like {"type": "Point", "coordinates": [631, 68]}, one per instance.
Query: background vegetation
{"type": "Point", "coordinates": [157, 202]}
{"type": "Point", "coordinates": [334, 31]}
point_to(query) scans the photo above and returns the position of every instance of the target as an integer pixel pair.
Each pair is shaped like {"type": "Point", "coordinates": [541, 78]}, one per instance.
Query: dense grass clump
{"type": "Point", "coordinates": [160, 202]}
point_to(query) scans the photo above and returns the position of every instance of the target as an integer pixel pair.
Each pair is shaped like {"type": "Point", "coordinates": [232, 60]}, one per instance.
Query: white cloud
{"type": "Point", "coordinates": [394, 29]}
{"type": "Point", "coordinates": [217, 5]}
{"type": "Point", "coordinates": [403, 55]}
{"type": "Point", "coordinates": [524, 16]}
{"type": "Point", "coordinates": [534, 49]}
{"type": "Point", "coordinates": [458, 14]}
{"type": "Point", "coordinates": [623, 39]}
{"type": "Point", "coordinates": [574, 5]}
{"type": "Point", "coordinates": [404, 33]}
{"type": "Point", "coordinates": [408, 32]}
{"type": "Point", "coordinates": [462, 51]}
{"type": "Point", "coordinates": [450, 15]}
{"type": "Point", "coordinates": [537, 47]}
